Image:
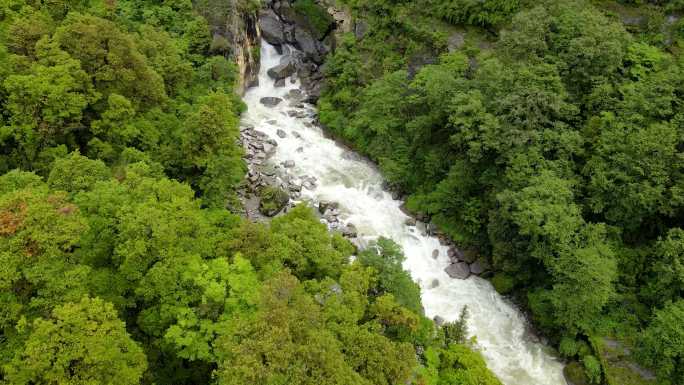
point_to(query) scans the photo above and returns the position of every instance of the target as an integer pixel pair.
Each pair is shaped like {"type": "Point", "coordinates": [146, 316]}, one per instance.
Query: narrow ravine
{"type": "Point", "coordinates": [342, 176]}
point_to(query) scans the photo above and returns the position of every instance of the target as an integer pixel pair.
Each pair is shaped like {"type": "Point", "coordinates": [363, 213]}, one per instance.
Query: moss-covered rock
{"type": "Point", "coordinates": [574, 374]}
{"type": "Point", "coordinates": [619, 367]}
{"type": "Point", "coordinates": [314, 16]}
{"type": "Point", "coordinates": [273, 200]}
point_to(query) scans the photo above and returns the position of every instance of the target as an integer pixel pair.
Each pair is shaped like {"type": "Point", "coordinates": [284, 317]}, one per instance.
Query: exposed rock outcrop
{"type": "Point", "coordinates": [313, 31]}
{"type": "Point", "coordinates": [236, 35]}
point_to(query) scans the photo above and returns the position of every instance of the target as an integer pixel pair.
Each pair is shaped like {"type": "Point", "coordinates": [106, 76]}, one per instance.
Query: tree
{"type": "Point", "coordinates": [110, 57]}
{"type": "Point", "coordinates": [386, 258]}
{"type": "Point", "coordinates": [662, 343]}
{"type": "Point", "coordinates": [287, 342]}
{"type": "Point", "coordinates": [77, 173]}
{"type": "Point", "coordinates": [82, 342]}
{"type": "Point", "coordinates": [665, 281]}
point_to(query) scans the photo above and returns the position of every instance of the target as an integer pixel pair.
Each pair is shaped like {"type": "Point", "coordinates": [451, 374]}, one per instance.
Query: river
{"type": "Point", "coordinates": [500, 328]}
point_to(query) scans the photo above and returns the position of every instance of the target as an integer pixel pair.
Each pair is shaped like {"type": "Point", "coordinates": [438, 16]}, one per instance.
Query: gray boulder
{"type": "Point", "coordinates": [271, 27]}
{"type": "Point", "coordinates": [312, 48]}
{"type": "Point", "coordinates": [286, 68]}
{"type": "Point", "coordinates": [280, 83]}
{"type": "Point", "coordinates": [477, 268]}
{"type": "Point", "coordinates": [439, 321]}
{"type": "Point", "coordinates": [324, 206]}
{"type": "Point", "coordinates": [270, 101]}
{"type": "Point", "coordinates": [281, 134]}
{"type": "Point", "coordinates": [350, 231]}
{"type": "Point", "coordinates": [435, 254]}
{"type": "Point", "coordinates": [459, 270]}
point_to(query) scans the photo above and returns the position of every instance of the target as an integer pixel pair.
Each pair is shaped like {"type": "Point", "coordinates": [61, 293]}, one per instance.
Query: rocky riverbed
{"type": "Point", "coordinates": [266, 175]}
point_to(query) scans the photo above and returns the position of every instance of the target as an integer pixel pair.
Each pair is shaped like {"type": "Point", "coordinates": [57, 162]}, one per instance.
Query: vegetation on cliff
{"type": "Point", "coordinates": [549, 141]}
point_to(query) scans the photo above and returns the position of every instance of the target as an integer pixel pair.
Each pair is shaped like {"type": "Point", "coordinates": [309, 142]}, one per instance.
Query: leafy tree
{"type": "Point", "coordinates": [386, 258]}
{"type": "Point", "coordinates": [661, 344]}
{"type": "Point", "coordinates": [77, 173]}
{"type": "Point", "coordinates": [110, 57]}
{"type": "Point", "coordinates": [83, 342]}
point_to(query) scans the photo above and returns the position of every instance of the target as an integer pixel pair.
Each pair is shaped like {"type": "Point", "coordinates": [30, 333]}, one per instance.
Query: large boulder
{"type": "Point", "coordinates": [477, 267]}
{"type": "Point", "coordinates": [271, 27]}
{"type": "Point", "coordinates": [324, 206]}
{"type": "Point", "coordinates": [349, 231]}
{"type": "Point", "coordinates": [285, 68]}
{"type": "Point", "coordinates": [270, 101]}
{"type": "Point", "coordinates": [459, 270]}
{"type": "Point", "coordinates": [312, 48]}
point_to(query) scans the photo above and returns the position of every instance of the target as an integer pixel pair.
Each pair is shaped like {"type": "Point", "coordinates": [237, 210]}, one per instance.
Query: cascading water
{"type": "Point", "coordinates": [358, 187]}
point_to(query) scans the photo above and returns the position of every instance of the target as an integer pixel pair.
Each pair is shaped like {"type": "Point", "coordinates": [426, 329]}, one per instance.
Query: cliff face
{"type": "Point", "coordinates": [310, 25]}
{"type": "Point", "coordinates": [245, 38]}
{"type": "Point", "coordinates": [235, 31]}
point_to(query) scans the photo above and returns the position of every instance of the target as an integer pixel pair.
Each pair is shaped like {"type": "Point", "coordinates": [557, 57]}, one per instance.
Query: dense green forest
{"type": "Point", "coordinates": [119, 262]}
{"type": "Point", "coordinates": [547, 137]}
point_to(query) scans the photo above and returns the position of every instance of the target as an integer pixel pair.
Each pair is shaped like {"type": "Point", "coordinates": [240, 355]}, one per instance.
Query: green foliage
{"type": "Point", "coordinates": [458, 364]}
{"type": "Point", "coordinates": [77, 173]}
{"type": "Point", "coordinates": [503, 283]}
{"type": "Point", "coordinates": [661, 344]}
{"type": "Point", "coordinates": [483, 13]}
{"type": "Point", "coordinates": [592, 368]}
{"type": "Point", "coordinates": [103, 77]}
{"type": "Point", "coordinates": [386, 258]}
{"type": "Point", "coordinates": [316, 16]}
{"type": "Point", "coordinates": [555, 150]}
{"type": "Point", "coordinates": [82, 342]}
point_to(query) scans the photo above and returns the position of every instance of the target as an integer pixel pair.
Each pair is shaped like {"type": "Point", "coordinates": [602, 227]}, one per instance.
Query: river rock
{"type": "Point", "coordinates": [410, 221]}
{"type": "Point", "coordinates": [313, 49]}
{"type": "Point", "coordinates": [288, 163]}
{"type": "Point", "coordinates": [295, 94]}
{"type": "Point", "coordinates": [271, 27]}
{"type": "Point", "coordinates": [284, 69]}
{"type": "Point", "coordinates": [270, 101]}
{"type": "Point", "coordinates": [439, 321]}
{"type": "Point", "coordinates": [434, 283]}
{"type": "Point", "coordinates": [279, 83]}
{"type": "Point", "coordinates": [454, 255]}
{"type": "Point", "coordinates": [324, 206]}
{"type": "Point", "coordinates": [269, 148]}
{"type": "Point", "coordinates": [435, 254]}
{"type": "Point", "coordinates": [477, 268]}
{"type": "Point", "coordinates": [281, 133]}
{"type": "Point", "coordinates": [350, 231]}
{"type": "Point", "coordinates": [300, 149]}
{"type": "Point", "coordinates": [430, 228]}
{"type": "Point", "coordinates": [459, 270]}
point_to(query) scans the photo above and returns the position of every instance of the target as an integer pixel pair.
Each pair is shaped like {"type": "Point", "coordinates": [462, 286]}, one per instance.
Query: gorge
{"type": "Point", "coordinates": [354, 183]}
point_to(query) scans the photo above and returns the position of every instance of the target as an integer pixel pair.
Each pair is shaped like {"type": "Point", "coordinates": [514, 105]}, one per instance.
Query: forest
{"type": "Point", "coordinates": [122, 258]}
{"type": "Point", "coordinates": [546, 137]}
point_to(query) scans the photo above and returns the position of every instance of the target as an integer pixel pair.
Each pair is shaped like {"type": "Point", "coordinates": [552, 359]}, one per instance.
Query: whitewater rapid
{"type": "Point", "coordinates": [343, 177]}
